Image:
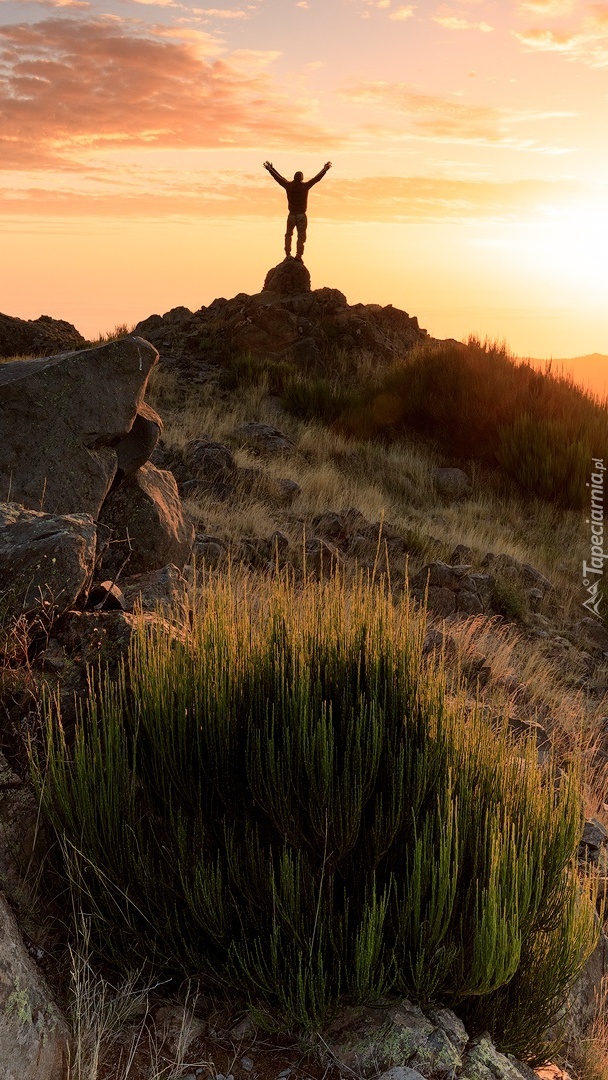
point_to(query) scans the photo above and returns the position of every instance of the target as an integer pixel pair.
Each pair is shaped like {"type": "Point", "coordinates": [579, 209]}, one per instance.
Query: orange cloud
{"type": "Point", "coordinates": [69, 87]}
{"type": "Point", "coordinates": [402, 13]}
{"type": "Point", "coordinates": [229, 195]}
{"type": "Point", "coordinates": [588, 44]}
{"type": "Point", "coordinates": [551, 8]}
{"type": "Point", "coordinates": [450, 22]}
{"type": "Point", "coordinates": [443, 118]}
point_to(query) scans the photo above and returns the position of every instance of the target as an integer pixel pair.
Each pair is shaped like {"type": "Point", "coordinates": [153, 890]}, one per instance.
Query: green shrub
{"type": "Point", "coordinates": [286, 804]}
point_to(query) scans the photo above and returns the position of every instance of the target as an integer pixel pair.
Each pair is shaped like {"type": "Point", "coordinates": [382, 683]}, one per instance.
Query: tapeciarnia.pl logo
{"type": "Point", "coordinates": [593, 571]}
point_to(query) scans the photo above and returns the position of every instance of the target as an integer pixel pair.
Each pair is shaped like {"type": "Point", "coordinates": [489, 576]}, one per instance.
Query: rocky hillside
{"type": "Point", "coordinates": [186, 449]}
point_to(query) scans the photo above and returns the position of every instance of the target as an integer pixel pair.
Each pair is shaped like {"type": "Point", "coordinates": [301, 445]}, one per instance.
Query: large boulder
{"type": "Point", "coordinates": [37, 337]}
{"type": "Point", "coordinates": [289, 278]}
{"type": "Point", "coordinates": [33, 1034]}
{"type": "Point", "coordinates": [46, 560]}
{"type": "Point", "coordinates": [148, 529]}
{"type": "Point", "coordinates": [62, 419]}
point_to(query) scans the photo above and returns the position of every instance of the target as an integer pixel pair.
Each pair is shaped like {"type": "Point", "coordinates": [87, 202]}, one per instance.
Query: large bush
{"type": "Point", "coordinates": [287, 805]}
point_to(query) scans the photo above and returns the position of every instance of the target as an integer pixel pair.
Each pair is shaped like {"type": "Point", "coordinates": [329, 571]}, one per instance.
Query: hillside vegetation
{"type": "Point", "coordinates": [303, 787]}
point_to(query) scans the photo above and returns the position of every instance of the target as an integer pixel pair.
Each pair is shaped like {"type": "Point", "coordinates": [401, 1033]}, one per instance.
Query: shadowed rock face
{"type": "Point", "coordinates": [63, 420]}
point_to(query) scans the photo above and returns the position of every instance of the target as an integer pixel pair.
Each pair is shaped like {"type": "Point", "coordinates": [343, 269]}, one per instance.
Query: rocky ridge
{"type": "Point", "coordinates": [286, 321]}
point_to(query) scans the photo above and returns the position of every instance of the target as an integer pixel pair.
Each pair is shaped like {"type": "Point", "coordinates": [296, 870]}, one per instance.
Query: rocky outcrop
{"type": "Point", "coordinates": [287, 321]}
{"type": "Point", "coordinates": [33, 1034]}
{"type": "Point", "coordinates": [37, 337]}
{"type": "Point", "coordinates": [289, 278]}
{"type": "Point", "coordinates": [62, 422]}
{"type": "Point", "coordinates": [46, 560]}
{"type": "Point", "coordinates": [147, 527]}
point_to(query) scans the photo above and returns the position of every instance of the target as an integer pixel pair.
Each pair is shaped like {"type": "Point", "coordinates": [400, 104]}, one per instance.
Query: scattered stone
{"type": "Point", "coordinates": [33, 1034]}
{"type": "Point", "coordinates": [322, 559]}
{"type": "Point", "coordinates": [147, 525]}
{"type": "Point", "coordinates": [462, 556]}
{"type": "Point", "coordinates": [451, 483]}
{"type": "Point", "coordinates": [106, 596]}
{"type": "Point", "coordinates": [54, 658]}
{"type": "Point", "coordinates": [163, 590]}
{"type": "Point", "coordinates": [80, 405]}
{"type": "Point", "coordinates": [46, 560]}
{"type": "Point", "coordinates": [264, 436]}
{"type": "Point", "coordinates": [451, 1025]}
{"type": "Point", "coordinates": [244, 1028]}
{"type": "Point", "coordinates": [401, 1072]}
{"type": "Point", "coordinates": [209, 549]}
{"type": "Point", "coordinates": [433, 640]}
{"type": "Point", "coordinates": [211, 462]}
{"type": "Point", "coordinates": [289, 489]}
{"type": "Point", "coordinates": [482, 1061]}
{"type": "Point", "coordinates": [593, 633]}
{"type": "Point", "coordinates": [279, 543]}
{"type": "Point", "coordinates": [247, 1064]}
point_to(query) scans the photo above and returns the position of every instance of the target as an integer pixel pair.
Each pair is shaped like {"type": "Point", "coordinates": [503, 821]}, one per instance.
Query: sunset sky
{"type": "Point", "coordinates": [469, 144]}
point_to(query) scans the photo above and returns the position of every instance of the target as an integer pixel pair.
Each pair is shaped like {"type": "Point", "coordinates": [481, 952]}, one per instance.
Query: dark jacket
{"type": "Point", "coordinates": [297, 190]}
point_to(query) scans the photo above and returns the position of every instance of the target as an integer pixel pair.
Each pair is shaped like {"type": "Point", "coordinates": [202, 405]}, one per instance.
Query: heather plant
{"type": "Point", "coordinates": [285, 803]}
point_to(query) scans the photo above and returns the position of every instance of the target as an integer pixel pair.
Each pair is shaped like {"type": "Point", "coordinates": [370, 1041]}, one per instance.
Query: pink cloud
{"type": "Point", "coordinates": [69, 87]}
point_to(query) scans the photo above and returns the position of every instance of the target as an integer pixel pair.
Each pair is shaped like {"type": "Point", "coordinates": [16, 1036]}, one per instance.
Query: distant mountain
{"type": "Point", "coordinates": [589, 371]}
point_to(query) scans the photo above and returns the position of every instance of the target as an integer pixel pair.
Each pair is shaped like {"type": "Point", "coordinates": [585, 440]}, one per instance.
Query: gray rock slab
{"type": "Point", "coordinates": [61, 418]}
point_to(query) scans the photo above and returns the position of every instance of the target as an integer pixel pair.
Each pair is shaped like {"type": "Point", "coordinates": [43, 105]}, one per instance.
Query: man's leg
{"type": "Point", "coordinates": [291, 224]}
{"type": "Point", "coordinates": [301, 223]}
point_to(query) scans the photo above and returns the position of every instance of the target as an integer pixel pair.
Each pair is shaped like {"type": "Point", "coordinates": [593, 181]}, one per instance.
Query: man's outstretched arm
{"type": "Point", "coordinates": [275, 175]}
{"type": "Point", "coordinates": [320, 175]}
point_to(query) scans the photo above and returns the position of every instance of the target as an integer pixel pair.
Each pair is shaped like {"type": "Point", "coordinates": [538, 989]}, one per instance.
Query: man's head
{"type": "Point", "coordinates": [298, 177]}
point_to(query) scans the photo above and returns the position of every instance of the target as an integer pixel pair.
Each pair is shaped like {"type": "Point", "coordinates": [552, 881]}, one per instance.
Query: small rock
{"type": "Point", "coordinates": [264, 436]}
{"type": "Point", "coordinates": [594, 633]}
{"type": "Point", "coordinates": [433, 641]}
{"type": "Point", "coordinates": [243, 1028]}
{"type": "Point", "coordinates": [451, 483]}
{"type": "Point", "coordinates": [209, 461]}
{"type": "Point", "coordinates": [106, 596]}
{"type": "Point", "coordinates": [461, 555]}
{"type": "Point", "coordinates": [54, 656]}
{"type": "Point", "coordinates": [246, 1064]}
{"type": "Point", "coordinates": [401, 1072]}
{"type": "Point", "coordinates": [289, 489]}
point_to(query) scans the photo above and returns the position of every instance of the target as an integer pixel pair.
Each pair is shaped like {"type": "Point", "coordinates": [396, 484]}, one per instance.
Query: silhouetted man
{"type": "Point", "coordinates": [297, 201]}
